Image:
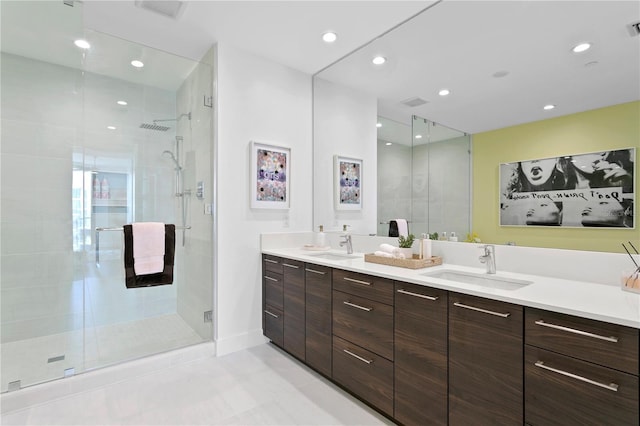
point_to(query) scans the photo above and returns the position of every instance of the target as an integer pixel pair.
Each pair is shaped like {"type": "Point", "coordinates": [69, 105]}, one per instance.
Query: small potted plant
{"type": "Point", "coordinates": [405, 243]}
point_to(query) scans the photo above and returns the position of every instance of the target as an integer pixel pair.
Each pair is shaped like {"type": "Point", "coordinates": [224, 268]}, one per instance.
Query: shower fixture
{"type": "Point", "coordinates": [160, 128]}
{"type": "Point", "coordinates": [180, 192]}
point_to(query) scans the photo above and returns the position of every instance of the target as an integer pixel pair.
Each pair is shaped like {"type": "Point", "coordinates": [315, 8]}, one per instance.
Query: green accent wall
{"type": "Point", "coordinates": [604, 129]}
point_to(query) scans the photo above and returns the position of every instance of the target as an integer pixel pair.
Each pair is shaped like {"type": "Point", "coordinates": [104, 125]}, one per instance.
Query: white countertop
{"type": "Point", "coordinates": [600, 302]}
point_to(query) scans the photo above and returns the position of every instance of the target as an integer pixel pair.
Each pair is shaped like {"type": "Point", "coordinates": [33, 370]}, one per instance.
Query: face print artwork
{"type": "Point", "coordinates": [584, 190]}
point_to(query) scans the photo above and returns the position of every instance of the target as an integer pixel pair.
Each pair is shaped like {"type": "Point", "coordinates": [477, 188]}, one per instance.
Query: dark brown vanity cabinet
{"type": "Point", "coordinates": [485, 362]}
{"type": "Point", "coordinates": [579, 371]}
{"type": "Point", "coordinates": [318, 317]}
{"type": "Point", "coordinates": [420, 355]}
{"type": "Point", "coordinates": [272, 299]}
{"type": "Point", "coordinates": [293, 282]}
{"type": "Point", "coordinates": [363, 337]}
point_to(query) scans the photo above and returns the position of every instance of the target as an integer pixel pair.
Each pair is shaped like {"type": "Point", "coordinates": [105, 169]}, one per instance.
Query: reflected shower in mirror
{"type": "Point", "coordinates": [423, 176]}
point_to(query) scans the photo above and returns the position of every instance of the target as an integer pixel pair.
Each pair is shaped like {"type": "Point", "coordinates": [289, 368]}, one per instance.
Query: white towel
{"type": "Point", "coordinates": [403, 227]}
{"type": "Point", "coordinates": [388, 248]}
{"type": "Point", "coordinates": [383, 254]}
{"type": "Point", "coordinates": [148, 247]}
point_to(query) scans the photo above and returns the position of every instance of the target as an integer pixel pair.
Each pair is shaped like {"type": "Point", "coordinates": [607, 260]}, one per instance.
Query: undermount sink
{"type": "Point", "coordinates": [334, 256]}
{"type": "Point", "coordinates": [484, 280]}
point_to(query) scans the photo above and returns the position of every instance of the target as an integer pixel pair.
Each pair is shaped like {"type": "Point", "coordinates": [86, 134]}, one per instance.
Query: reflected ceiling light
{"type": "Point", "coordinates": [111, 127]}
{"type": "Point", "coordinates": [444, 92]}
{"type": "Point", "coordinates": [388, 144]}
{"type": "Point", "coordinates": [137, 64]}
{"type": "Point", "coordinates": [329, 37]}
{"type": "Point", "coordinates": [379, 60]}
{"type": "Point", "coordinates": [82, 44]}
{"type": "Point", "coordinates": [378, 124]}
{"type": "Point", "coordinates": [122, 103]}
{"type": "Point", "coordinates": [418, 136]}
{"type": "Point", "coordinates": [548, 107]}
{"type": "Point", "coordinates": [581, 47]}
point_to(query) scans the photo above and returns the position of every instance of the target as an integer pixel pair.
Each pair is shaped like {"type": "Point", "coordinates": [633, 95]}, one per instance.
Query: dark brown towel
{"type": "Point", "coordinates": [161, 278]}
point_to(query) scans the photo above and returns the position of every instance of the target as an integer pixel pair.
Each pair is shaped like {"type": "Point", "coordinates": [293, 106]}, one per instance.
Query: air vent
{"type": "Point", "coordinates": [413, 102]}
{"type": "Point", "coordinates": [170, 9]}
{"type": "Point", "coordinates": [634, 29]}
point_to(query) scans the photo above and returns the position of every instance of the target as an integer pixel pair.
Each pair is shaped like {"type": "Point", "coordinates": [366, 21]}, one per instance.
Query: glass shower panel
{"type": "Point", "coordinates": [88, 145]}
{"type": "Point", "coordinates": [41, 283]}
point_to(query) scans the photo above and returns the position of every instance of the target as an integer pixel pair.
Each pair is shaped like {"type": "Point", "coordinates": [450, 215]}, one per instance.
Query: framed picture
{"type": "Point", "coordinates": [270, 177]}
{"type": "Point", "coordinates": [595, 190]}
{"type": "Point", "coordinates": [347, 183]}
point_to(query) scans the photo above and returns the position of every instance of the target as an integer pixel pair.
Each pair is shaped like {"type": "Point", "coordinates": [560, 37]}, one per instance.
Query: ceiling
{"type": "Point", "coordinates": [455, 44]}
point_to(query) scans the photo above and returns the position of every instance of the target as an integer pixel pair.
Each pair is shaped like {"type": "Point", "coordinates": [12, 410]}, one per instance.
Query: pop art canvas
{"type": "Point", "coordinates": [270, 176]}
{"type": "Point", "coordinates": [348, 183]}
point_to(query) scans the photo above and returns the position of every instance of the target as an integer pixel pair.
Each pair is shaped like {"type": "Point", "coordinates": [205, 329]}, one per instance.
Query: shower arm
{"type": "Point", "coordinates": [188, 115]}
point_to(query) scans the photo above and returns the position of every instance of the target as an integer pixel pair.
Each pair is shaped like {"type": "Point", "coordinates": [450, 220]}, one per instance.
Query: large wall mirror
{"type": "Point", "coordinates": [503, 78]}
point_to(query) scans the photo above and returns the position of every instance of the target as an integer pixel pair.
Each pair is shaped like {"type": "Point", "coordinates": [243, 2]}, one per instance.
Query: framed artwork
{"type": "Point", "coordinates": [595, 190]}
{"type": "Point", "coordinates": [270, 177]}
{"type": "Point", "coordinates": [347, 183]}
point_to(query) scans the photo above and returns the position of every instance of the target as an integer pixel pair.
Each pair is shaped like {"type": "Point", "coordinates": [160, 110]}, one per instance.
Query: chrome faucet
{"type": "Point", "coordinates": [347, 241]}
{"type": "Point", "coordinates": [489, 257]}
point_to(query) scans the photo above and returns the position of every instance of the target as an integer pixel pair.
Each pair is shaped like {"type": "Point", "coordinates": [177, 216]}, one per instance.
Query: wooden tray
{"type": "Point", "coordinates": [414, 263]}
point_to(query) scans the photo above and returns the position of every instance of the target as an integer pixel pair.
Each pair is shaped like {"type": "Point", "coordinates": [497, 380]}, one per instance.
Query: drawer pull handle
{"type": "Point", "coordinates": [356, 281]}
{"type": "Point", "coordinates": [368, 361]}
{"type": "Point", "coordinates": [270, 279]}
{"type": "Point", "coordinates": [288, 265]}
{"type": "Point", "coordinates": [575, 331]}
{"type": "Point", "coordinates": [315, 272]}
{"type": "Point", "coordinates": [612, 387]}
{"type": "Point", "coordinates": [271, 261]}
{"type": "Point", "coordinates": [353, 305]}
{"type": "Point", "coordinates": [484, 311]}
{"type": "Point", "coordinates": [423, 296]}
{"type": "Point", "coordinates": [271, 313]}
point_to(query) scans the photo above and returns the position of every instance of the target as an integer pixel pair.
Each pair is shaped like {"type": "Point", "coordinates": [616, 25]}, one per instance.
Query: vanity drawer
{"type": "Point", "coordinates": [273, 325]}
{"type": "Point", "coordinates": [563, 391]}
{"type": "Point", "coordinates": [364, 373]}
{"type": "Point", "coordinates": [603, 343]}
{"type": "Point", "coordinates": [364, 322]}
{"type": "Point", "coordinates": [273, 290]}
{"type": "Point", "coordinates": [272, 263]}
{"type": "Point", "coordinates": [374, 288]}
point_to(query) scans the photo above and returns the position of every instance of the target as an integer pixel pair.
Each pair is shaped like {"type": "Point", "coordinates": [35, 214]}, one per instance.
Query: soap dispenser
{"type": "Point", "coordinates": [321, 238]}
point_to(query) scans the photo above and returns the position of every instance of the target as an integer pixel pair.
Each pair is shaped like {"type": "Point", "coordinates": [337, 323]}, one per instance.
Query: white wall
{"type": "Point", "coordinates": [258, 100]}
{"type": "Point", "coordinates": [344, 124]}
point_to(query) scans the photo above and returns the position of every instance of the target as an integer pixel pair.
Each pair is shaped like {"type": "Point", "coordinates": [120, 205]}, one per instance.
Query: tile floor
{"type": "Point", "coordinates": [257, 386]}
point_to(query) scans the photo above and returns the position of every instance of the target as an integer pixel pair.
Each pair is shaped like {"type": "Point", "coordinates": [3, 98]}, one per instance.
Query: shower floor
{"type": "Point", "coordinates": [39, 360]}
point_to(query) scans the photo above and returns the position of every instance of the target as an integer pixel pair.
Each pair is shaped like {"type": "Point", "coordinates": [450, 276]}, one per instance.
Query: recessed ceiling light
{"type": "Point", "coordinates": [444, 92]}
{"type": "Point", "coordinates": [388, 144]}
{"type": "Point", "coordinates": [500, 74]}
{"type": "Point", "coordinates": [548, 107]}
{"type": "Point", "coordinates": [379, 60]}
{"type": "Point", "coordinates": [418, 136]}
{"type": "Point", "coordinates": [329, 37]}
{"type": "Point", "coordinates": [581, 47]}
{"type": "Point", "coordinates": [122, 103]}
{"type": "Point", "coordinates": [111, 127]}
{"type": "Point", "coordinates": [137, 64]}
{"type": "Point", "coordinates": [378, 124]}
{"type": "Point", "coordinates": [82, 44]}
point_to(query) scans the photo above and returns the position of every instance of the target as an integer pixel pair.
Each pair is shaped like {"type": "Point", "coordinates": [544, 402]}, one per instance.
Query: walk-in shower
{"type": "Point", "coordinates": [91, 167]}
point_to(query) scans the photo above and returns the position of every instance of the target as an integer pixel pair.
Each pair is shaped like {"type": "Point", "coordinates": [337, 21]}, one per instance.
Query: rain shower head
{"type": "Point", "coordinates": [154, 126]}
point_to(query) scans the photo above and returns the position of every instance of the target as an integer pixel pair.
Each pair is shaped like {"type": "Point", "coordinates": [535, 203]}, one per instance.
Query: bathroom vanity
{"type": "Point", "coordinates": [424, 349]}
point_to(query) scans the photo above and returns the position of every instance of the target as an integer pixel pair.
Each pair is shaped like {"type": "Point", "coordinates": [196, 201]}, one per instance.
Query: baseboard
{"type": "Point", "coordinates": [239, 342]}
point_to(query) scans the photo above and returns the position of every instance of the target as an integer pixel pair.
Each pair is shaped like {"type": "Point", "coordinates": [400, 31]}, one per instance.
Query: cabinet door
{"type": "Point", "coordinates": [294, 322]}
{"type": "Point", "coordinates": [485, 361]}
{"type": "Point", "coordinates": [420, 355]}
{"type": "Point", "coordinates": [318, 317]}
{"type": "Point", "coordinates": [565, 391]}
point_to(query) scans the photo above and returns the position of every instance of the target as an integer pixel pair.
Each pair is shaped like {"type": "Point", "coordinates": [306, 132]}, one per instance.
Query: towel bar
{"type": "Point", "coordinates": [101, 229]}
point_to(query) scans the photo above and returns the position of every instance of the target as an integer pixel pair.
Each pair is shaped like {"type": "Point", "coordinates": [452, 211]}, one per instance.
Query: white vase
{"type": "Point", "coordinates": [408, 252]}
